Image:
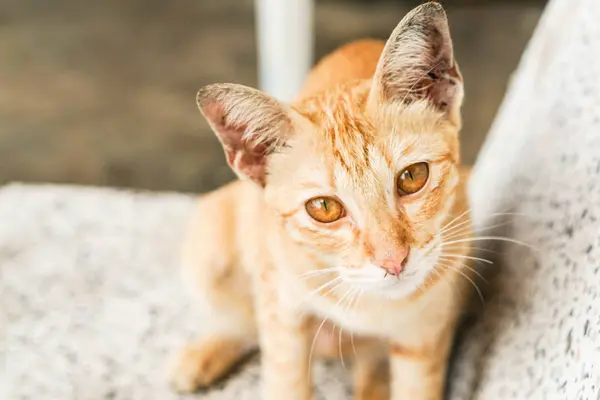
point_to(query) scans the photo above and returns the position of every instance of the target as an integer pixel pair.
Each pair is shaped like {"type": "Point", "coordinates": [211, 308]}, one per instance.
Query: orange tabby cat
{"type": "Point", "coordinates": [340, 216]}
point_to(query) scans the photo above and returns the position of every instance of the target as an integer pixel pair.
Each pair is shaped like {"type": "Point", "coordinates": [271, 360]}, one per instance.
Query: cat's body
{"type": "Point", "coordinates": [269, 275]}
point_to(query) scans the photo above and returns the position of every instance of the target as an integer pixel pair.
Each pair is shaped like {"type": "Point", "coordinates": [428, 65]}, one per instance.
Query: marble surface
{"type": "Point", "coordinates": [538, 336]}
{"type": "Point", "coordinates": [91, 301]}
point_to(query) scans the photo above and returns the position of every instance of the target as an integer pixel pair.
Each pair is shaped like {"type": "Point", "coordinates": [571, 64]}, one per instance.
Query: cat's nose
{"type": "Point", "coordinates": [392, 267]}
{"type": "Point", "coordinates": [395, 264]}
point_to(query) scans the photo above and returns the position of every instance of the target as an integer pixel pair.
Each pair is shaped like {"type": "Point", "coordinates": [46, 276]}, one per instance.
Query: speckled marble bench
{"type": "Point", "coordinates": [91, 301]}
{"type": "Point", "coordinates": [539, 335]}
{"type": "Point", "coordinates": [91, 306]}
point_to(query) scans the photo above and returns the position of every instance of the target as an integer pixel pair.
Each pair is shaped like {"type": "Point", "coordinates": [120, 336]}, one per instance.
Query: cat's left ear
{"type": "Point", "coordinates": [418, 63]}
{"type": "Point", "coordinates": [249, 124]}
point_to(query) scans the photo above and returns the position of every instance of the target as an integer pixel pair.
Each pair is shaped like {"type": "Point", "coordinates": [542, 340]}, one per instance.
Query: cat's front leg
{"type": "Point", "coordinates": [284, 343]}
{"type": "Point", "coordinates": [418, 372]}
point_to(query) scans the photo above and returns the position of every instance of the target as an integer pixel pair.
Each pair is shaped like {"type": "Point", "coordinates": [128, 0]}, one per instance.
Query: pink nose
{"type": "Point", "coordinates": [395, 265]}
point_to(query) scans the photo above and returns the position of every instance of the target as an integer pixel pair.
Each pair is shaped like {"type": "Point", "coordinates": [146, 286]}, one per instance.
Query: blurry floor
{"type": "Point", "coordinates": [103, 93]}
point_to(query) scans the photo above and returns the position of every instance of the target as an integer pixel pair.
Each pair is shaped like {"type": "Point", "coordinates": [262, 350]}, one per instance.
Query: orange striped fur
{"type": "Point", "coordinates": [270, 275]}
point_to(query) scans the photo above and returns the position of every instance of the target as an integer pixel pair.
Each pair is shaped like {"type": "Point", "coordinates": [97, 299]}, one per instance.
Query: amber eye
{"type": "Point", "coordinates": [325, 209]}
{"type": "Point", "coordinates": [412, 178]}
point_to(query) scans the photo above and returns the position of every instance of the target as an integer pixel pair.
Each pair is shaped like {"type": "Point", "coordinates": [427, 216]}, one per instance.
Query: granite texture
{"type": "Point", "coordinates": [91, 301]}
{"type": "Point", "coordinates": [539, 335]}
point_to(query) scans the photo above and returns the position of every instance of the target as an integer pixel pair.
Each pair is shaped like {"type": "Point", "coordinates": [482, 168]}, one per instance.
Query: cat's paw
{"type": "Point", "coordinates": [199, 364]}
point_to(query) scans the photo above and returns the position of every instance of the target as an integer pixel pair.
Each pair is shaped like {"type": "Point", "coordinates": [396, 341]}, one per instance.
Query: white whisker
{"type": "Point", "coordinates": [360, 293]}
{"type": "Point", "coordinates": [354, 290]}
{"type": "Point", "coordinates": [452, 267]}
{"type": "Point", "coordinates": [476, 231]}
{"type": "Point", "coordinates": [463, 265]}
{"type": "Point", "coordinates": [312, 346]}
{"type": "Point", "coordinates": [469, 248]}
{"type": "Point", "coordinates": [449, 227]}
{"type": "Point", "coordinates": [449, 224]}
{"type": "Point", "coordinates": [339, 303]}
{"type": "Point", "coordinates": [453, 228]}
{"type": "Point", "coordinates": [451, 256]}
{"type": "Point", "coordinates": [499, 238]}
{"type": "Point", "coordinates": [364, 280]}
{"type": "Point", "coordinates": [318, 272]}
{"type": "Point", "coordinates": [464, 231]}
{"type": "Point", "coordinates": [315, 337]}
{"type": "Point", "coordinates": [323, 286]}
{"type": "Point", "coordinates": [332, 289]}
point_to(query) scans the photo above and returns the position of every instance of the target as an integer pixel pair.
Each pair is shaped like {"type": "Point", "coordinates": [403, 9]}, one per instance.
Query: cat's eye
{"type": "Point", "coordinates": [412, 178]}
{"type": "Point", "coordinates": [325, 209]}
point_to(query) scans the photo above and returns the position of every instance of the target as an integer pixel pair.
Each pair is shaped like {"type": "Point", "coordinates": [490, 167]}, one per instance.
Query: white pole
{"type": "Point", "coordinates": [285, 45]}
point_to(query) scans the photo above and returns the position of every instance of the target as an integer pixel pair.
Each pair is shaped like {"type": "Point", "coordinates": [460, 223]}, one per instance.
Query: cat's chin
{"type": "Point", "coordinates": [373, 280]}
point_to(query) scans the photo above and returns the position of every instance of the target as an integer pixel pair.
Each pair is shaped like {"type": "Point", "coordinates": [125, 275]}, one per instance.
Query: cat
{"type": "Point", "coordinates": [347, 212]}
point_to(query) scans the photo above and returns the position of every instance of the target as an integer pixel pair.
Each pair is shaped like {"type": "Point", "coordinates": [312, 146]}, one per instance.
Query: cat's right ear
{"type": "Point", "coordinates": [249, 124]}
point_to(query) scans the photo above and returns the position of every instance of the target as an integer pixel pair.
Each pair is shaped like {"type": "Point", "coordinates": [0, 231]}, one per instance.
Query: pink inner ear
{"type": "Point", "coordinates": [215, 114]}
{"type": "Point", "coordinates": [244, 156]}
{"type": "Point", "coordinates": [443, 86]}
{"type": "Point", "coordinates": [250, 161]}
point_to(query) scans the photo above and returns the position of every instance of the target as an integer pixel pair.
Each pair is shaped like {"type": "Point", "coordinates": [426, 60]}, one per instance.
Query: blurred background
{"type": "Point", "coordinates": [103, 93]}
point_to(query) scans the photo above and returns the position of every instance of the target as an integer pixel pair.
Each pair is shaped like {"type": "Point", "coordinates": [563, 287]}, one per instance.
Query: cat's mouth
{"type": "Point", "coordinates": [374, 280]}
{"type": "Point", "coordinates": [371, 278]}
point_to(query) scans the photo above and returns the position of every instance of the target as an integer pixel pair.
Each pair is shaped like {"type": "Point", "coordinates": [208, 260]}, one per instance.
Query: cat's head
{"type": "Point", "coordinates": [363, 175]}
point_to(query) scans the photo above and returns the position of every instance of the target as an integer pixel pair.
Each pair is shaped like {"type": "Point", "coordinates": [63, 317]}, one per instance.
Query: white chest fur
{"type": "Point", "coordinates": [377, 316]}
